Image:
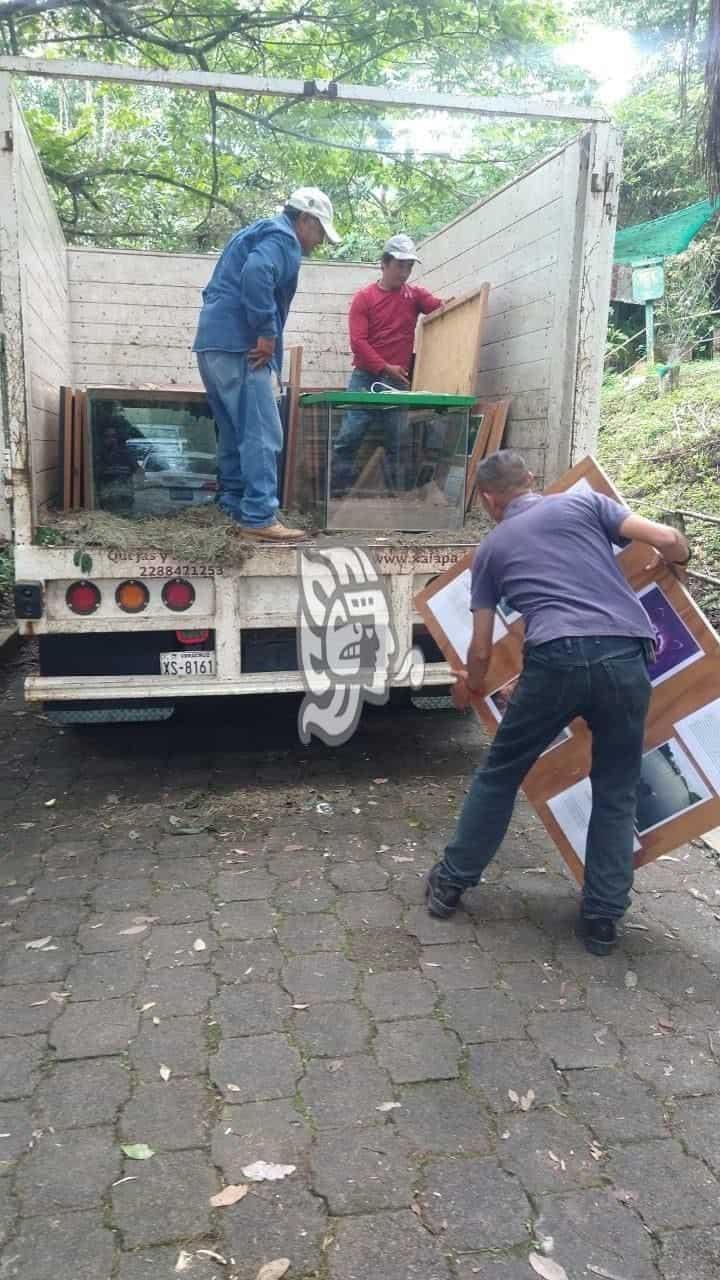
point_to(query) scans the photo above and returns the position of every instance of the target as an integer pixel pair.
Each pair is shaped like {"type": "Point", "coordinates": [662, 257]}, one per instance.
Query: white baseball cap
{"type": "Point", "coordinates": [402, 248]}
{"type": "Point", "coordinates": [314, 201]}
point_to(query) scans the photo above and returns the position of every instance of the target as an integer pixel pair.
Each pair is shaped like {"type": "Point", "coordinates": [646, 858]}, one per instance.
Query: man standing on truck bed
{"type": "Point", "coordinates": [588, 644]}
{"type": "Point", "coordinates": [383, 317]}
{"type": "Point", "coordinates": [239, 349]}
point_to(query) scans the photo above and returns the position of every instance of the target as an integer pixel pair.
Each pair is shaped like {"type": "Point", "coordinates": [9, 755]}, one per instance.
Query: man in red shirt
{"type": "Point", "coordinates": [383, 318]}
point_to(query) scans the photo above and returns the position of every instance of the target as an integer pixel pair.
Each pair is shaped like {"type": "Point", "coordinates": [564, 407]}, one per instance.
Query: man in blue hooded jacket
{"type": "Point", "coordinates": [239, 349]}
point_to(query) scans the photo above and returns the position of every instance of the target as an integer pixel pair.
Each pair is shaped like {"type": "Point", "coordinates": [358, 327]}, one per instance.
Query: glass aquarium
{"type": "Point", "coordinates": [382, 461]}
{"type": "Point", "coordinates": [150, 453]}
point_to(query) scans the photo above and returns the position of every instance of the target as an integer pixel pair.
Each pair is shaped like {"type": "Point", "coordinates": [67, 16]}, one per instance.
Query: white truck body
{"type": "Point", "coordinates": [96, 317]}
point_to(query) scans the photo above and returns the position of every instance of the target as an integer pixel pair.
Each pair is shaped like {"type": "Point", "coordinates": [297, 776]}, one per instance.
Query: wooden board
{"type": "Point", "coordinates": [688, 689]}
{"type": "Point", "coordinates": [65, 446]}
{"type": "Point", "coordinates": [489, 440]}
{"type": "Point", "coordinates": [77, 449]}
{"type": "Point", "coordinates": [447, 357]}
{"type": "Point", "coordinates": [293, 423]}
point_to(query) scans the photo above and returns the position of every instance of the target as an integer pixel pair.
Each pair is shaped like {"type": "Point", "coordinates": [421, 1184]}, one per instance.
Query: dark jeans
{"type": "Point", "coordinates": [604, 679]}
{"type": "Point", "coordinates": [391, 426]}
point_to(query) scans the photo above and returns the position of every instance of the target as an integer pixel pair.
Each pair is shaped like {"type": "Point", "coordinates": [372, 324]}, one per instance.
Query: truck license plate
{"type": "Point", "coordinates": [200, 663]}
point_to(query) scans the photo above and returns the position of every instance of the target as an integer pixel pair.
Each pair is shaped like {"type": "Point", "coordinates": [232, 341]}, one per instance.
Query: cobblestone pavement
{"type": "Point", "coordinates": [218, 901]}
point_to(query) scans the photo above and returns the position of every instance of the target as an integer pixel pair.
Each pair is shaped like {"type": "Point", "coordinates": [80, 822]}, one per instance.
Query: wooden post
{"type": "Point", "coordinates": [650, 334]}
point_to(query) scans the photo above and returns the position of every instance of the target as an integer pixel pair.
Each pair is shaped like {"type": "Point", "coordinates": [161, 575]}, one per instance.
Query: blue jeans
{"type": "Point", "coordinates": [604, 679]}
{"type": "Point", "coordinates": [356, 423]}
{"type": "Point", "coordinates": [249, 435]}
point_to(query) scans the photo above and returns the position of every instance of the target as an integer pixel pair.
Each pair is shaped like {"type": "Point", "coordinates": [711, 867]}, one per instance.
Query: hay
{"type": "Point", "coordinates": [200, 533]}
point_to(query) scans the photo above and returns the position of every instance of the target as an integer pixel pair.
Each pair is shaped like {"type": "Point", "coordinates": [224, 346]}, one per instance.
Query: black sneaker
{"type": "Point", "coordinates": [598, 933]}
{"type": "Point", "coordinates": [442, 897]}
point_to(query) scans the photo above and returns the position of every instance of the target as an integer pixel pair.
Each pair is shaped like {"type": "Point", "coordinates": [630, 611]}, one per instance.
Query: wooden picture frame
{"type": "Point", "coordinates": [293, 423]}
{"type": "Point", "coordinates": [448, 343]}
{"type": "Point", "coordinates": [489, 439]}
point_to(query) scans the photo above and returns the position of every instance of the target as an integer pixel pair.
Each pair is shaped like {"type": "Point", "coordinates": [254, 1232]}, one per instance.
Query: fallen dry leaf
{"type": "Point", "coordinates": [261, 1171]}
{"type": "Point", "coordinates": [335, 1066]}
{"type": "Point", "coordinates": [210, 1253]}
{"type": "Point", "coordinates": [165, 1072]}
{"type": "Point", "coordinates": [199, 945]}
{"type": "Point", "coordinates": [293, 848]}
{"type": "Point", "coordinates": [631, 980]}
{"type": "Point", "coordinates": [229, 1195]}
{"type": "Point", "coordinates": [37, 943]}
{"type": "Point", "coordinates": [415, 1208]}
{"type": "Point", "coordinates": [134, 928]}
{"type": "Point", "coordinates": [150, 1005]}
{"type": "Point", "coordinates": [274, 1270]}
{"type": "Point", "coordinates": [379, 781]}
{"type": "Point", "coordinates": [547, 1267]}
{"type": "Point", "coordinates": [301, 1006]}
{"type": "Point", "coordinates": [527, 1100]}
{"type": "Point", "coordinates": [138, 1151]}
{"type": "Point", "coordinates": [388, 1106]}
{"type": "Point", "coordinates": [49, 803]}
{"type": "Point", "coordinates": [184, 1261]}
{"type": "Point", "coordinates": [513, 1096]}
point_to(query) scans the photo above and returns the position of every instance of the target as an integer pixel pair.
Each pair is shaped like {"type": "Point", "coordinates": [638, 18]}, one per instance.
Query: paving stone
{"type": "Point", "coordinates": [178, 1043]}
{"type": "Point", "coordinates": [629, 1013]}
{"type": "Point", "coordinates": [693, 1254]}
{"type": "Point", "coordinates": [594, 1229]}
{"type": "Point", "coordinates": [327, 976]}
{"type": "Point", "coordinates": [17, 964]}
{"type": "Point", "coordinates": [532, 1137]}
{"type": "Point", "coordinates": [615, 1105]}
{"type": "Point", "coordinates": [68, 1170]}
{"type": "Point", "coordinates": [279, 1220]}
{"type": "Point", "coordinates": [370, 910]}
{"type": "Point", "coordinates": [182, 873]}
{"type": "Point", "coordinates": [483, 1206]}
{"type": "Point", "coordinates": [15, 1132]}
{"type": "Point", "coordinates": [119, 864]}
{"type": "Point", "coordinates": [122, 894]}
{"type": "Point", "coordinates": [384, 949]}
{"type": "Point", "coordinates": [408, 885]}
{"type": "Point", "coordinates": [82, 1093]}
{"type": "Point", "coordinates": [517, 1065]}
{"type": "Point", "coordinates": [27, 1009]}
{"type": "Point", "coordinates": [102, 977]}
{"type": "Point", "coordinates": [251, 1010]}
{"type": "Point", "coordinates": [653, 1172]}
{"type": "Point", "coordinates": [76, 1246]}
{"type": "Point", "coordinates": [541, 987]}
{"type": "Point", "coordinates": [94, 1028]}
{"type": "Point", "coordinates": [305, 893]}
{"type": "Point", "coordinates": [55, 918]}
{"type": "Point", "coordinates": [273, 1131]}
{"type": "Point", "coordinates": [524, 942]}
{"type": "Point", "coordinates": [181, 846]}
{"type": "Point", "coordinates": [109, 932]}
{"type": "Point", "coordinates": [172, 944]}
{"type": "Point", "coordinates": [169, 1199]}
{"type": "Point", "coordinates": [332, 1030]}
{"type": "Point", "coordinates": [476, 1266]}
{"type": "Point", "coordinates": [294, 868]}
{"type": "Point", "coordinates": [56, 888]}
{"type": "Point", "coordinates": [8, 1210]}
{"type": "Point", "coordinates": [417, 1049]}
{"type": "Point", "coordinates": [398, 995]}
{"type": "Point", "coordinates": [169, 1116]}
{"type": "Point", "coordinates": [244, 885]}
{"type": "Point", "coordinates": [444, 1118]}
{"type": "Point", "coordinates": [358, 877]}
{"type": "Point", "coordinates": [458, 967]}
{"type": "Point", "coordinates": [243, 920]}
{"type": "Point", "coordinates": [372, 1173]}
{"type": "Point", "coordinates": [20, 1059]}
{"type": "Point", "coordinates": [695, 1122]}
{"type": "Point", "coordinates": [574, 1040]}
{"type": "Point", "coordinates": [159, 1263]}
{"type": "Point", "coordinates": [385, 1246]}
{"type": "Point", "coordinates": [505, 900]}
{"type": "Point", "coordinates": [430, 931]}
{"type": "Point", "coordinates": [675, 1065]}
{"type": "Point", "coordinates": [348, 1096]}
{"type": "Point", "coordinates": [175, 906]}
{"type": "Point", "coordinates": [248, 961]}
{"type": "Point", "coordinates": [260, 1068]}
{"type": "Point", "coordinates": [676, 977]}
{"type": "Point", "coordinates": [318, 931]}
{"type": "Point", "coordinates": [484, 1015]}
{"type": "Point", "coordinates": [177, 991]}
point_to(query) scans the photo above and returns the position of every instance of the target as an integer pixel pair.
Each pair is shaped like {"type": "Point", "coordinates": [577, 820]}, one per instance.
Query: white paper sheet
{"type": "Point", "coordinates": [571, 810]}
{"type": "Point", "coordinates": [451, 607]}
{"type": "Point", "coordinates": [669, 786]}
{"type": "Point", "coordinates": [700, 732]}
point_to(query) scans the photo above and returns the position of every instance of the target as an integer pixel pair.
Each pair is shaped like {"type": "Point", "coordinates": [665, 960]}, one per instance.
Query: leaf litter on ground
{"type": "Point", "coordinates": [138, 1151]}
{"type": "Point", "coordinates": [261, 1171]}
{"type": "Point", "coordinates": [229, 1195]}
{"type": "Point", "coordinates": [274, 1270]}
{"type": "Point", "coordinates": [548, 1268]}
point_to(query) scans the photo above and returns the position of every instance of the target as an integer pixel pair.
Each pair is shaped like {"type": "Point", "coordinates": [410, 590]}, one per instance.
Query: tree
{"type": "Point", "coordinates": [149, 167]}
{"type": "Point", "coordinates": [661, 166]}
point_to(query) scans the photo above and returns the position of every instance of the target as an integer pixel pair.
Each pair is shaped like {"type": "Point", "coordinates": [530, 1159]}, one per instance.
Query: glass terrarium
{"type": "Point", "coordinates": [150, 453]}
{"type": "Point", "coordinates": [382, 461]}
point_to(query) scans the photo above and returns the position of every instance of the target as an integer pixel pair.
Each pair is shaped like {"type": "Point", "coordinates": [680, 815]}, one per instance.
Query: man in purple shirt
{"type": "Point", "coordinates": [588, 644]}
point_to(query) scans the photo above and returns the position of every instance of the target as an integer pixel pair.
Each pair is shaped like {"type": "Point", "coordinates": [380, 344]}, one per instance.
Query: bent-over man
{"type": "Point", "coordinates": [588, 644]}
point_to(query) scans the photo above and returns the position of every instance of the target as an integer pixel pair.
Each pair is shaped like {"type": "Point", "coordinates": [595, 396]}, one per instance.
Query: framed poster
{"type": "Point", "coordinates": [679, 789]}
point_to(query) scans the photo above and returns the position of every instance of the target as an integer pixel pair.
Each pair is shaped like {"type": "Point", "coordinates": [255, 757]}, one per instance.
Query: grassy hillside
{"type": "Point", "coordinates": [663, 453]}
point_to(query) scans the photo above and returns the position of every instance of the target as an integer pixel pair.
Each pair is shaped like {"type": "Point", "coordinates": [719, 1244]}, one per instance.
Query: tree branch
{"type": "Point", "coordinates": [77, 182]}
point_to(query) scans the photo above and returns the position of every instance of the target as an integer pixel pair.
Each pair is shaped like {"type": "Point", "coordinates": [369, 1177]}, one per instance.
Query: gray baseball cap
{"type": "Point", "coordinates": [402, 248]}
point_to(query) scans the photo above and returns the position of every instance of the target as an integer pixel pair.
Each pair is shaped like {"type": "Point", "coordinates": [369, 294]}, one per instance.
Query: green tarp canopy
{"type": "Point", "coordinates": [663, 237]}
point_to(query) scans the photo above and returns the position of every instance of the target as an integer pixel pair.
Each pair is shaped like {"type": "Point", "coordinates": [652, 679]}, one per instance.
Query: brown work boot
{"type": "Point", "coordinates": [276, 532]}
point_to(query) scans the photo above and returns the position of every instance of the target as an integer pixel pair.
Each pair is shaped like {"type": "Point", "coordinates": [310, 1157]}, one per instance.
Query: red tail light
{"type": "Point", "coordinates": [83, 598]}
{"type": "Point", "coordinates": [192, 637]}
{"type": "Point", "coordinates": [209, 486]}
{"type": "Point", "coordinates": [178, 594]}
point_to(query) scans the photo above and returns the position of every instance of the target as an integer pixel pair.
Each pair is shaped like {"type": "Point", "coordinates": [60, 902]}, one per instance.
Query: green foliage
{"type": "Point", "coordinates": [7, 581]}
{"type": "Point", "coordinates": [660, 165]}
{"type": "Point", "coordinates": [143, 167]}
